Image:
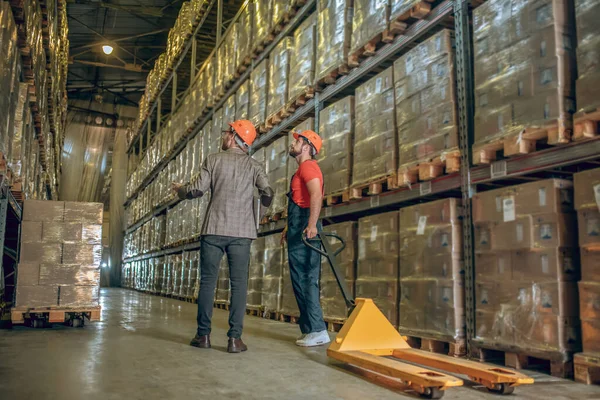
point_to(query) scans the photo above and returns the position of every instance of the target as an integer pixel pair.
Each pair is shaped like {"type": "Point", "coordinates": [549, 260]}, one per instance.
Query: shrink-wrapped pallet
{"type": "Point", "coordinates": [258, 93]}
{"type": "Point", "coordinates": [242, 101]}
{"type": "Point", "coordinates": [261, 27]}
{"type": "Point", "coordinates": [276, 155]}
{"type": "Point", "coordinates": [228, 113]}
{"type": "Point", "coordinates": [272, 275]}
{"type": "Point", "coordinates": [255, 273]}
{"type": "Point", "coordinates": [369, 21]}
{"type": "Point", "coordinates": [587, 13]}
{"type": "Point", "coordinates": [334, 27]}
{"type": "Point", "coordinates": [302, 60]}
{"type": "Point", "coordinates": [244, 49]}
{"type": "Point", "coordinates": [288, 305]}
{"type": "Point", "coordinates": [375, 148]}
{"type": "Point", "coordinates": [278, 71]}
{"type": "Point", "coordinates": [336, 128]}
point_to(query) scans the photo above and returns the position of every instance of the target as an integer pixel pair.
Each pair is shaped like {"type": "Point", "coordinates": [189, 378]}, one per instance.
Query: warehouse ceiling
{"type": "Point", "coordinates": [138, 30]}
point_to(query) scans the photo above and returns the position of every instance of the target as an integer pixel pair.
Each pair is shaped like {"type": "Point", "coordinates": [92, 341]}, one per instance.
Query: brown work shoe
{"type": "Point", "coordinates": [202, 342]}
{"type": "Point", "coordinates": [236, 345]}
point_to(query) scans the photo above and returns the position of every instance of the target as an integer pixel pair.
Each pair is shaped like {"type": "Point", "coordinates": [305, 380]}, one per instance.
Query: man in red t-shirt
{"type": "Point", "coordinates": [304, 207]}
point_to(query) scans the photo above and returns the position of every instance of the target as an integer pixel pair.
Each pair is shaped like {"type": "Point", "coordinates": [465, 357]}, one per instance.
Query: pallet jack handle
{"type": "Point", "coordinates": [330, 254]}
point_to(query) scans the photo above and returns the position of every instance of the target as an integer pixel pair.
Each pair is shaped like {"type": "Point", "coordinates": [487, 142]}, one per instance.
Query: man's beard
{"type": "Point", "coordinates": [293, 153]}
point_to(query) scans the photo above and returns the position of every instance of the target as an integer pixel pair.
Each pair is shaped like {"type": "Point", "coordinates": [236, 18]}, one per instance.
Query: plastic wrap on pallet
{"type": "Point", "coordinates": [280, 11]}
{"type": "Point", "coordinates": [69, 274]}
{"type": "Point", "coordinates": [587, 13]}
{"type": "Point", "coordinates": [32, 252]}
{"type": "Point", "coordinates": [276, 166]}
{"type": "Point", "coordinates": [18, 149]}
{"type": "Point", "coordinates": [261, 27]}
{"type": "Point", "coordinates": [524, 77]}
{"type": "Point", "coordinates": [226, 53]}
{"type": "Point", "coordinates": [424, 80]}
{"type": "Point", "coordinates": [81, 254]}
{"type": "Point", "coordinates": [399, 8]}
{"type": "Point", "coordinates": [302, 60]}
{"type": "Point", "coordinates": [258, 93]}
{"type": "Point", "coordinates": [334, 27]}
{"type": "Point", "coordinates": [36, 296]}
{"type": "Point", "coordinates": [336, 128]}
{"type": "Point", "coordinates": [79, 296]}
{"type": "Point", "coordinates": [255, 272]}
{"type": "Point", "coordinates": [244, 39]}
{"type": "Point", "coordinates": [432, 300]}
{"type": "Point", "coordinates": [228, 112]}
{"type": "Point", "coordinates": [288, 304]}
{"type": "Point", "coordinates": [278, 72]}
{"type": "Point", "coordinates": [242, 101]}
{"type": "Point", "coordinates": [223, 289]}
{"type": "Point", "coordinates": [531, 304]}
{"type": "Point", "coordinates": [370, 19]}
{"type": "Point", "coordinates": [377, 267]}
{"type": "Point", "coordinates": [272, 274]}
{"type": "Point", "coordinates": [44, 211]}
{"type": "Point", "coordinates": [332, 300]}
{"type": "Point", "coordinates": [86, 213]}
{"type": "Point", "coordinates": [64, 232]}
{"type": "Point", "coordinates": [375, 138]}
{"type": "Point", "coordinates": [215, 133]}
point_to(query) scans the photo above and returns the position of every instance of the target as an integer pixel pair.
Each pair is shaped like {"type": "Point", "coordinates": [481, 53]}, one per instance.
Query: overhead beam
{"type": "Point", "coordinates": [132, 68]}
{"type": "Point", "coordinates": [122, 39]}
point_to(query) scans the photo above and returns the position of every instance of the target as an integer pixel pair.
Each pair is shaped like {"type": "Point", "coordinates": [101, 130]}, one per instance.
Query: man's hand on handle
{"type": "Point", "coordinates": [283, 236]}
{"type": "Point", "coordinates": [311, 231]}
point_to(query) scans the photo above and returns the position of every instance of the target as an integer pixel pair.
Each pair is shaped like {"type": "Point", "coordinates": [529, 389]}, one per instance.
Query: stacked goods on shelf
{"type": "Point", "coordinates": [276, 167]}
{"type": "Point", "coordinates": [334, 27]}
{"type": "Point", "coordinates": [194, 274]}
{"type": "Point", "coordinates": [272, 274]}
{"type": "Point", "coordinates": [426, 114]}
{"type": "Point", "coordinates": [336, 128]}
{"type": "Point", "coordinates": [17, 161]}
{"type": "Point", "coordinates": [228, 112]}
{"type": "Point", "coordinates": [226, 62]}
{"type": "Point", "coordinates": [61, 251]}
{"type": "Point", "coordinates": [375, 146]}
{"type": "Point", "coordinates": [159, 264]}
{"type": "Point", "coordinates": [280, 12]}
{"type": "Point", "coordinates": [184, 221]}
{"type": "Point", "coordinates": [243, 54]}
{"type": "Point", "coordinates": [332, 300]}
{"type": "Point", "coordinates": [432, 296]}
{"type": "Point", "coordinates": [524, 76]}
{"type": "Point", "coordinates": [261, 26]}
{"type": "Point", "coordinates": [178, 275]}
{"type": "Point", "coordinates": [588, 80]}
{"type": "Point", "coordinates": [242, 101]}
{"type": "Point", "coordinates": [279, 70]}
{"type": "Point", "coordinates": [402, 12]}
{"type": "Point", "coordinates": [288, 305]}
{"type": "Point", "coordinates": [527, 270]}
{"type": "Point", "coordinates": [302, 63]}
{"type": "Point", "coordinates": [223, 288]}
{"type": "Point", "coordinates": [377, 267]}
{"type": "Point", "coordinates": [167, 287]}
{"type": "Point", "coordinates": [215, 133]}
{"type": "Point", "coordinates": [369, 21]}
{"type": "Point", "coordinates": [587, 204]}
{"type": "Point", "coordinates": [255, 273]}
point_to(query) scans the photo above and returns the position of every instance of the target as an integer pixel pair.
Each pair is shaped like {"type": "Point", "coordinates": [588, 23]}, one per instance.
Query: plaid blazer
{"type": "Point", "coordinates": [231, 176]}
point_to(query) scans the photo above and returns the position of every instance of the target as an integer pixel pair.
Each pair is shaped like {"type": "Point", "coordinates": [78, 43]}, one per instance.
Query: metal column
{"type": "Point", "coordinates": [174, 93]}
{"type": "Point", "coordinates": [464, 80]}
{"type": "Point", "coordinates": [219, 20]}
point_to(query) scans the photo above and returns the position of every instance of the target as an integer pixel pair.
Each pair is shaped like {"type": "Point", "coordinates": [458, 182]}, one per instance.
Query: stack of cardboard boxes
{"type": "Point", "coordinates": [167, 287]}
{"type": "Point", "coordinates": [336, 128]}
{"type": "Point", "coordinates": [261, 27]}
{"type": "Point", "coordinates": [377, 268]}
{"type": "Point", "coordinates": [288, 305]}
{"type": "Point", "coordinates": [370, 19]}
{"type": "Point", "coordinates": [255, 273]}
{"type": "Point", "coordinates": [272, 274]}
{"type": "Point", "coordinates": [258, 93]}
{"type": "Point", "coordinates": [277, 169]}
{"type": "Point", "coordinates": [587, 204]}
{"type": "Point", "coordinates": [244, 38]}
{"type": "Point", "coordinates": [587, 13]}
{"type": "Point", "coordinates": [61, 252]}
{"type": "Point", "coordinates": [527, 268]}
{"type": "Point", "coordinates": [279, 70]}
{"type": "Point", "coordinates": [375, 147]}
{"type": "Point", "coordinates": [242, 101]}
{"type": "Point", "coordinates": [524, 71]}
{"type": "Point", "coordinates": [431, 271]}
{"type": "Point", "coordinates": [302, 59]}
{"type": "Point", "coordinates": [334, 29]}
{"type": "Point", "coordinates": [332, 300]}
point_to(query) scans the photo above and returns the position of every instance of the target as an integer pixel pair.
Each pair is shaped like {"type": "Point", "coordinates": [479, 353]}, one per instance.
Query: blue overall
{"type": "Point", "coordinates": [305, 269]}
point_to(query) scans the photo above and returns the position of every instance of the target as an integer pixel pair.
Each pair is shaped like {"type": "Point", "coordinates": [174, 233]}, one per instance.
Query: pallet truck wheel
{"type": "Point", "coordinates": [503, 388]}
{"type": "Point", "coordinates": [433, 393]}
{"type": "Point", "coordinates": [77, 323]}
{"type": "Point", "coordinates": [37, 323]}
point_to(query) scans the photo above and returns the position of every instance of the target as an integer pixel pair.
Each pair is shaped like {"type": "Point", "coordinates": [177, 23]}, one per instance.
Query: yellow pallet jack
{"type": "Point", "coordinates": [368, 340]}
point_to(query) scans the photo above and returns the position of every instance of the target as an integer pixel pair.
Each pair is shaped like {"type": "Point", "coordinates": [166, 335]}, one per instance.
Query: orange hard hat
{"type": "Point", "coordinates": [245, 130]}
{"type": "Point", "coordinates": [312, 137]}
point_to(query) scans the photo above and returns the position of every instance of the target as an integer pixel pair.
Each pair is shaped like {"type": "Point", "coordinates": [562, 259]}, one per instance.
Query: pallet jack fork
{"type": "Point", "coordinates": [368, 340]}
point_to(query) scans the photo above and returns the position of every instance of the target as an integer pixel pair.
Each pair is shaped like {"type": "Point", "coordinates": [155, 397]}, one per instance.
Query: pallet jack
{"type": "Point", "coordinates": [368, 340]}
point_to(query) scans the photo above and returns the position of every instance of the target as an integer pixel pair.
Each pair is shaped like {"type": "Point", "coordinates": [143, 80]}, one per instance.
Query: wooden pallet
{"type": "Point", "coordinates": [369, 48]}
{"type": "Point", "coordinates": [448, 346]}
{"type": "Point", "coordinates": [270, 314]}
{"type": "Point", "coordinates": [374, 187]}
{"type": "Point", "coordinates": [288, 317]}
{"type": "Point", "coordinates": [337, 198]}
{"type": "Point", "coordinates": [300, 100]}
{"type": "Point", "coordinates": [222, 305]}
{"type": "Point", "coordinates": [330, 77]}
{"type": "Point", "coordinates": [587, 368]}
{"type": "Point", "coordinates": [557, 364]}
{"type": "Point", "coordinates": [523, 142]}
{"type": "Point", "coordinates": [586, 125]}
{"type": "Point", "coordinates": [399, 24]}
{"type": "Point", "coordinates": [255, 311]}
{"type": "Point", "coordinates": [273, 218]}
{"type": "Point", "coordinates": [429, 169]}
{"type": "Point", "coordinates": [246, 62]}
{"type": "Point", "coordinates": [19, 315]}
{"type": "Point", "coordinates": [276, 118]}
{"type": "Point", "coordinates": [335, 324]}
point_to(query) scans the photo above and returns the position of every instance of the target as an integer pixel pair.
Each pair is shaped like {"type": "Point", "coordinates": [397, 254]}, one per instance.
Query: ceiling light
{"type": "Point", "coordinates": [107, 49]}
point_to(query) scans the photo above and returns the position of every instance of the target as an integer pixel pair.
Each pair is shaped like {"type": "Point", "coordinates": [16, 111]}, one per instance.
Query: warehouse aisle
{"type": "Point", "coordinates": [140, 351]}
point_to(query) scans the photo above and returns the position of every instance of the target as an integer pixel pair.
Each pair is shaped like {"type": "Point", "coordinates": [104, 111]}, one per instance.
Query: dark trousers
{"type": "Point", "coordinates": [212, 248]}
{"type": "Point", "coordinates": [305, 271]}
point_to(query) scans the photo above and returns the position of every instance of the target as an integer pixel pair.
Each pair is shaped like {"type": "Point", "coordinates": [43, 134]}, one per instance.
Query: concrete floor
{"type": "Point", "coordinates": [140, 351]}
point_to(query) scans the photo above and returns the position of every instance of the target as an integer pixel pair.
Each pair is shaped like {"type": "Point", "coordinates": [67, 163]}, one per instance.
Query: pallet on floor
{"type": "Point", "coordinates": [335, 324]}
{"type": "Point", "coordinates": [289, 317]}
{"type": "Point", "coordinates": [330, 77]}
{"type": "Point", "coordinates": [57, 314]}
{"type": "Point", "coordinates": [587, 368]}
{"type": "Point", "coordinates": [455, 347]}
{"type": "Point", "coordinates": [429, 169]}
{"type": "Point", "coordinates": [369, 48]}
{"type": "Point", "coordinates": [399, 24]}
{"type": "Point", "coordinates": [222, 305]}
{"type": "Point", "coordinates": [300, 100]}
{"type": "Point", "coordinates": [270, 314]}
{"type": "Point", "coordinates": [523, 142]}
{"type": "Point", "coordinates": [255, 311]}
{"type": "Point", "coordinates": [586, 124]}
{"type": "Point", "coordinates": [374, 187]}
{"type": "Point", "coordinates": [337, 198]}
{"type": "Point", "coordinates": [557, 363]}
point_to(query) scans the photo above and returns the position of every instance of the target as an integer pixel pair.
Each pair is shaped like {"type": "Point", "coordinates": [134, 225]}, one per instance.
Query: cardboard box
{"type": "Point", "coordinates": [69, 274]}
{"type": "Point", "coordinates": [37, 253]}
{"type": "Point", "coordinates": [546, 265]}
{"type": "Point", "coordinates": [31, 231]}
{"type": "Point", "coordinates": [79, 296]}
{"type": "Point", "coordinates": [44, 211]}
{"type": "Point", "coordinates": [590, 335]}
{"type": "Point", "coordinates": [495, 327]}
{"type": "Point", "coordinates": [497, 266]}
{"type": "Point", "coordinates": [62, 232]}
{"type": "Point", "coordinates": [590, 264]}
{"type": "Point", "coordinates": [587, 189]}
{"type": "Point", "coordinates": [37, 296]}
{"type": "Point", "coordinates": [86, 213]}
{"type": "Point", "coordinates": [589, 228]}
{"type": "Point", "coordinates": [83, 254]}
{"type": "Point", "coordinates": [92, 234]}
{"type": "Point", "coordinates": [29, 274]}
{"type": "Point", "coordinates": [589, 300]}
{"type": "Point", "coordinates": [541, 231]}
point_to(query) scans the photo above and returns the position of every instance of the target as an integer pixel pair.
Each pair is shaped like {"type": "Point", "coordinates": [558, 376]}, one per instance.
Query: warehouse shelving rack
{"type": "Point", "coordinates": [10, 232]}
{"type": "Point", "coordinates": [555, 161]}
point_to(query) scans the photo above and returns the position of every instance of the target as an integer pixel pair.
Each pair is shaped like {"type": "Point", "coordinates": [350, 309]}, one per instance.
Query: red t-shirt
{"type": "Point", "coordinates": [307, 171]}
